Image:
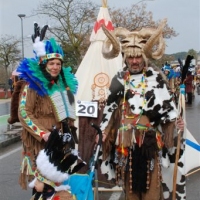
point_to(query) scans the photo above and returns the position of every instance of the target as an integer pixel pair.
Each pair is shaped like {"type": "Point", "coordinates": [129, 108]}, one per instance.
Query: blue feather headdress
{"type": "Point", "coordinates": [45, 50]}
{"type": "Point", "coordinates": [30, 69]}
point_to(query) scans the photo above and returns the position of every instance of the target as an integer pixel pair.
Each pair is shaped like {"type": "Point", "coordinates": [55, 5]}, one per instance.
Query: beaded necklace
{"type": "Point", "coordinates": [125, 151]}
{"type": "Point", "coordinates": [128, 85]}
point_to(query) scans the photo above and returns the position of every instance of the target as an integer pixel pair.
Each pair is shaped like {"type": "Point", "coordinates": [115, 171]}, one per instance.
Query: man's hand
{"type": "Point", "coordinates": [173, 90]}
{"type": "Point", "coordinates": [180, 124]}
{"type": "Point", "coordinates": [104, 135]}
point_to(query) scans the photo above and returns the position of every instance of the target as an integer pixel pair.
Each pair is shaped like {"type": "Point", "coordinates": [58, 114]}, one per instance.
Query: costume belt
{"type": "Point", "coordinates": [130, 134]}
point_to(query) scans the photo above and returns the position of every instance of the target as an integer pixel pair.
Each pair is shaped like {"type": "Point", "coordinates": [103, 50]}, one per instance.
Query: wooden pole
{"type": "Point", "coordinates": [176, 166]}
{"type": "Point", "coordinates": [181, 108]}
{"type": "Point", "coordinates": [104, 3]}
{"type": "Point", "coordinates": [188, 174]}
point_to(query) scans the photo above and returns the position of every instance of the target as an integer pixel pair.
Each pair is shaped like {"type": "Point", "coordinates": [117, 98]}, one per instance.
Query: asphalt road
{"type": "Point", "coordinates": [10, 164]}
{"type": "Point", "coordinates": [4, 107]}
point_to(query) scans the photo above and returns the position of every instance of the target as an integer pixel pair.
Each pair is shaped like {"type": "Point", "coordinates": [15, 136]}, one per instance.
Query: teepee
{"type": "Point", "coordinates": [95, 72]}
{"type": "Point", "coordinates": [94, 76]}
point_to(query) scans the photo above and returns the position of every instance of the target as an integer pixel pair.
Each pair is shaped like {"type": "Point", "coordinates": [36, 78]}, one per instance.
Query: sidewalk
{"type": "Point", "coordinates": [5, 100]}
{"type": "Point", "coordinates": [13, 133]}
{"type": "Point", "coordinates": [11, 136]}
{"type": "Point", "coordinates": [2, 94]}
{"type": "Point", "coordinates": [9, 141]}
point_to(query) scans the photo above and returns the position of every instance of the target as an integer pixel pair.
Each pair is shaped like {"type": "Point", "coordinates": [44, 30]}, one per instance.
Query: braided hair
{"type": "Point", "coordinates": [69, 93]}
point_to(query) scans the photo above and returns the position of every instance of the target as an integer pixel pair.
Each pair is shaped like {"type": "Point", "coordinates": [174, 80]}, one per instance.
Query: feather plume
{"type": "Point", "coordinates": [30, 71]}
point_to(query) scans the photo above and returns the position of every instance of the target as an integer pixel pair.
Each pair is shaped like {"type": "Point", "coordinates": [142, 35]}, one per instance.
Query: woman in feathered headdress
{"type": "Point", "coordinates": [46, 99]}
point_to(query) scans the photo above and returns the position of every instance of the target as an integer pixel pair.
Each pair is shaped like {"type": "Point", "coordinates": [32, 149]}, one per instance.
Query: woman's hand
{"type": "Point", "coordinates": [45, 136]}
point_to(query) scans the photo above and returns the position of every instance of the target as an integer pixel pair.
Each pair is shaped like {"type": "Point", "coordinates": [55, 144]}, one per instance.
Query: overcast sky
{"type": "Point", "coordinates": [182, 15]}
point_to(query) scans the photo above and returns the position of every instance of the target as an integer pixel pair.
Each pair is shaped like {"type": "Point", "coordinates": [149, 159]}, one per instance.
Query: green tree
{"type": "Point", "coordinates": [180, 55]}
{"type": "Point", "coordinates": [194, 53]}
{"type": "Point", "coordinates": [9, 56]}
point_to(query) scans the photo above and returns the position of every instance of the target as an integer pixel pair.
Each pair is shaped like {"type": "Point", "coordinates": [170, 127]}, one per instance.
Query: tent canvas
{"type": "Point", "coordinates": [192, 152]}
{"type": "Point", "coordinates": [95, 72]}
{"type": "Point", "coordinates": [94, 76]}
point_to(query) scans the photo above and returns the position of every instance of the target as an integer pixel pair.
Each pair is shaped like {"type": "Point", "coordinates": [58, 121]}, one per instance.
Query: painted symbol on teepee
{"type": "Point", "coordinates": [101, 80]}
{"type": "Point", "coordinates": [98, 24]}
{"type": "Point", "coordinates": [100, 86]}
{"type": "Point", "coordinates": [101, 92]}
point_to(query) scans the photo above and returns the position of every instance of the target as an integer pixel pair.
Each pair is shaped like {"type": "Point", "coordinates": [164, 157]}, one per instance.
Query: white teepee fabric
{"type": "Point", "coordinates": [192, 152]}
{"type": "Point", "coordinates": [95, 72]}
{"type": "Point", "coordinates": [94, 77]}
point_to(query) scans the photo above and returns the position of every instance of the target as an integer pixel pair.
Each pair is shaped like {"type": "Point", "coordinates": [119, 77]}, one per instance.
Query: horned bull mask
{"type": "Point", "coordinates": [148, 42]}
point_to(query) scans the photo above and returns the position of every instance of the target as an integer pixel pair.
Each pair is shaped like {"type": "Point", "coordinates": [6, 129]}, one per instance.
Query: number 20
{"type": "Point", "coordinates": [84, 109]}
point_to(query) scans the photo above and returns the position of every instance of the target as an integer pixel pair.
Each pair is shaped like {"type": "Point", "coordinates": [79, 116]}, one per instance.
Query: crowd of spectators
{"type": "Point", "coordinates": [174, 76]}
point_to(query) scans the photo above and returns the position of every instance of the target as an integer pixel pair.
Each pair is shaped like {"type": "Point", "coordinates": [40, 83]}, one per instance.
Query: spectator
{"type": "Point", "coordinates": [189, 87]}
{"type": "Point", "coordinates": [10, 83]}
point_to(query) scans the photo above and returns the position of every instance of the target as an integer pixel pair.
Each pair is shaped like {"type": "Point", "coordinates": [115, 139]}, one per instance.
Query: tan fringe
{"type": "Point", "coordinates": [168, 130]}
{"type": "Point", "coordinates": [23, 181]}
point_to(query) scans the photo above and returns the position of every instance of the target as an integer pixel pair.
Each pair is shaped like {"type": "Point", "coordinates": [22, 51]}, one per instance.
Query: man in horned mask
{"type": "Point", "coordinates": [140, 116]}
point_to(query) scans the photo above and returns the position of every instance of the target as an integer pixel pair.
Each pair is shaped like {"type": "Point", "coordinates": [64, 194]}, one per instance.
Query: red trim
{"type": "Point", "coordinates": [41, 134]}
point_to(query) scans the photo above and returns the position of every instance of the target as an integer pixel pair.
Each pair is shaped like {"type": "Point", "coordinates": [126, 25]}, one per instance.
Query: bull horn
{"type": "Point", "coordinates": [160, 50]}
{"type": "Point", "coordinates": [156, 37]}
{"type": "Point", "coordinates": [112, 40]}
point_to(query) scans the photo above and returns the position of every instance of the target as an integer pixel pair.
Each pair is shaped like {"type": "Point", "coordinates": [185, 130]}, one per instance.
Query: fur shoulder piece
{"type": "Point", "coordinates": [15, 102]}
{"type": "Point", "coordinates": [30, 72]}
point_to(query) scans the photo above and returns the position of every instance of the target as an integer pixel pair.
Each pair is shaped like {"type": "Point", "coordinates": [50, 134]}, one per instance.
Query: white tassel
{"type": "Point", "coordinates": [62, 187]}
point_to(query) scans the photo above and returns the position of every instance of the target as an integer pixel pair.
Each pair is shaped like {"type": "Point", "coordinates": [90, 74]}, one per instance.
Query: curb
{"type": "Point", "coordinates": [10, 141]}
{"type": "Point", "coordinates": [5, 100]}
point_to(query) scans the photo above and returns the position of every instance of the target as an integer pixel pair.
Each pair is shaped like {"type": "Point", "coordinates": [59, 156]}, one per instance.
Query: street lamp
{"type": "Point", "coordinates": [21, 17]}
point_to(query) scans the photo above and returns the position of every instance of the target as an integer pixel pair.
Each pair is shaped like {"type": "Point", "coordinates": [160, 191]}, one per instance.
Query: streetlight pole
{"type": "Point", "coordinates": [21, 17]}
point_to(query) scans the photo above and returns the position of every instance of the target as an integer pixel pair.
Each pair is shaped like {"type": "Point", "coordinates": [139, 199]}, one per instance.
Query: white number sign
{"type": "Point", "coordinates": [86, 108]}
